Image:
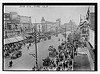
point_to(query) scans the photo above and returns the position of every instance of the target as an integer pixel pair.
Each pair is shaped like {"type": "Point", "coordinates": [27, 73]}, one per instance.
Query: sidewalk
{"type": "Point", "coordinates": [81, 63]}
{"type": "Point", "coordinates": [86, 51]}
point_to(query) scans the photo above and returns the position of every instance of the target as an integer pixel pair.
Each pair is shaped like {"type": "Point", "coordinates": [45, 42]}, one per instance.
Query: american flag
{"type": "Point", "coordinates": [88, 14]}
{"type": "Point", "coordinates": [80, 18]}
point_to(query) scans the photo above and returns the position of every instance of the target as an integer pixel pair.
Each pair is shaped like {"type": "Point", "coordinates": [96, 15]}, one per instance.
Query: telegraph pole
{"type": "Point", "coordinates": [65, 32]}
{"type": "Point", "coordinates": [73, 46]}
{"type": "Point", "coordinates": [36, 50]}
{"type": "Point", "coordinates": [35, 43]}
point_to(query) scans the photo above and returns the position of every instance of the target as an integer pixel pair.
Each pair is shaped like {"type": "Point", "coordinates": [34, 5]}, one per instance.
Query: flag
{"type": "Point", "coordinates": [88, 14]}
{"type": "Point", "coordinates": [21, 29]}
{"type": "Point", "coordinates": [80, 18]}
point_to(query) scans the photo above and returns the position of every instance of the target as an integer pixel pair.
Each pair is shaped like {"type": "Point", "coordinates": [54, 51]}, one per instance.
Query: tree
{"type": "Point", "coordinates": [74, 41]}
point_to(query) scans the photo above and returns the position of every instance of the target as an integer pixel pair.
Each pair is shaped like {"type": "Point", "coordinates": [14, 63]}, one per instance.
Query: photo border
{"type": "Point", "coordinates": [55, 4]}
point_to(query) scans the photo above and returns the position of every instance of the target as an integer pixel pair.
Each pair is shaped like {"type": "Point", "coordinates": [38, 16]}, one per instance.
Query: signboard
{"type": "Point", "coordinates": [25, 19]}
{"type": "Point", "coordinates": [14, 17]}
{"type": "Point", "coordinates": [6, 16]}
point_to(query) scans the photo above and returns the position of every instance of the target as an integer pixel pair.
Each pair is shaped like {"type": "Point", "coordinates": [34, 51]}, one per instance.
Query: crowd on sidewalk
{"type": "Point", "coordinates": [60, 59]}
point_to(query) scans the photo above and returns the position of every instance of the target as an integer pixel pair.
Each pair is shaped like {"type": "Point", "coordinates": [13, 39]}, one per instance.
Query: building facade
{"type": "Point", "coordinates": [14, 24]}
{"type": "Point", "coordinates": [84, 29]}
{"type": "Point", "coordinates": [48, 26]}
{"type": "Point", "coordinates": [92, 21]}
{"type": "Point", "coordinates": [25, 22]}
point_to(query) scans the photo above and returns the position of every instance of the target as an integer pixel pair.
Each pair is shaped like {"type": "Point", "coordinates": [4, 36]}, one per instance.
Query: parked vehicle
{"type": "Point", "coordinates": [6, 55]}
{"type": "Point", "coordinates": [45, 39]}
{"type": "Point", "coordinates": [16, 54]}
{"type": "Point", "coordinates": [49, 37]}
{"type": "Point", "coordinates": [50, 48]}
{"type": "Point", "coordinates": [56, 35]}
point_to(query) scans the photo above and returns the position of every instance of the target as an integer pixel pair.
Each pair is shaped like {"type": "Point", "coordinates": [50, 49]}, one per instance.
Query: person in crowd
{"type": "Point", "coordinates": [57, 60]}
{"type": "Point", "coordinates": [66, 54]}
{"type": "Point", "coordinates": [29, 44]}
{"type": "Point", "coordinates": [59, 39]}
{"type": "Point", "coordinates": [59, 48]}
{"type": "Point", "coordinates": [61, 56]}
{"type": "Point", "coordinates": [28, 47]}
{"type": "Point", "coordinates": [65, 64]}
{"type": "Point", "coordinates": [10, 63]}
{"type": "Point", "coordinates": [58, 68]}
{"type": "Point", "coordinates": [34, 68]}
{"type": "Point", "coordinates": [70, 62]}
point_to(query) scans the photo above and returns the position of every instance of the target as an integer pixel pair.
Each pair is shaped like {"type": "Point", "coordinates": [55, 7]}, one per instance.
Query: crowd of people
{"type": "Point", "coordinates": [62, 59]}
{"type": "Point", "coordinates": [58, 59]}
{"type": "Point", "coordinates": [12, 47]}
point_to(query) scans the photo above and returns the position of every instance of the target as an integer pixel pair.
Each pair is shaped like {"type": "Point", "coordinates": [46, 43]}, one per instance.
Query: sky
{"type": "Point", "coordinates": [50, 13]}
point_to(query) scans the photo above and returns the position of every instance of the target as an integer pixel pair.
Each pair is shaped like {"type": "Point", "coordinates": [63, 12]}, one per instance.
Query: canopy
{"type": "Point", "coordinates": [92, 38]}
{"type": "Point", "coordinates": [12, 40]}
{"type": "Point", "coordinates": [19, 38]}
{"type": "Point", "coordinates": [6, 41]}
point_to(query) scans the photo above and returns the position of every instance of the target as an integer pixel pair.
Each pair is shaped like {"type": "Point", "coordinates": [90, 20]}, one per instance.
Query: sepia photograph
{"type": "Point", "coordinates": [49, 37]}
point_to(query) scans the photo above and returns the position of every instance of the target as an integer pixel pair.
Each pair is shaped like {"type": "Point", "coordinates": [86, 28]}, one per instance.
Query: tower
{"type": "Point", "coordinates": [43, 25]}
{"type": "Point", "coordinates": [58, 23]}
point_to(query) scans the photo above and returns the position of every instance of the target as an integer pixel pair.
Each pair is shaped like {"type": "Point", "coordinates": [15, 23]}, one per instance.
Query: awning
{"type": "Point", "coordinates": [92, 38]}
{"type": "Point", "coordinates": [19, 38]}
{"type": "Point", "coordinates": [12, 40]}
{"type": "Point", "coordinates": [6, 41]}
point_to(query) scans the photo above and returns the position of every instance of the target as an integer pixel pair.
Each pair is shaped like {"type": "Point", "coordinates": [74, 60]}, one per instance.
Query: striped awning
{"type": "Point", "coordinates": [12, 40]}
{"type": "Point", "coordinates": [6, 41]}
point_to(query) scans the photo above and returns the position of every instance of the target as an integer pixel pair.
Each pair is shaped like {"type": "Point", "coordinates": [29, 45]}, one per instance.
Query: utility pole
{"type": "Point", "coordinates": [73, 45]}
{"type": "Point", "coordinates": [36, 49]}
{"type": "Point", "coordinates": [35, 43]}
{"type": "Point", "coordinates": [65, 32]}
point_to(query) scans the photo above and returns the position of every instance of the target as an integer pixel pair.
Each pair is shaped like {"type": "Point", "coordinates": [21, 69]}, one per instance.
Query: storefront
{"type": "Point", "coordinates": [12, 40]}
{"type": "Point", "coordinates": [12, 45]}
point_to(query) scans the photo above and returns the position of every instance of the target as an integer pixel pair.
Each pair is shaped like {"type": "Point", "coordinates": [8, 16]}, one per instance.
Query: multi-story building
{"type": "Point", "coordinates": [70, 26]}
{"type": "Point", "coordinates": [25, 23]}
{"type": "Point", "coordinates": [84, 29]}
{"type": "Point", "coordinates": [86, 25]}
{"type": "Point", "coordinates": [48, 26]}
{"type": "Point", "coordinates": [14, 25]}
{"type": "Point", "coordinates": [7, 24]}
{"type": "Point", "coordinates": [58, 24]}
{"type": "Point", "coordinates": [15, 19]}
{"type": "Point", "coordinates": [92, 21]}
{"type": "Point", "coordinates": [38, 27]}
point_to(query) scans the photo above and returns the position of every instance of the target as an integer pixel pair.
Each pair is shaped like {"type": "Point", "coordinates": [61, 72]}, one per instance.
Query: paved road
{"type": "Point", "coordinates": [26, 62]}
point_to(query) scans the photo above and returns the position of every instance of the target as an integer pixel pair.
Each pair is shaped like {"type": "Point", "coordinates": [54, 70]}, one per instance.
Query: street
{"type": "Point", "coordinates": [26, 61]}
{"type": "Point", "coordinates": [39, 38]}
